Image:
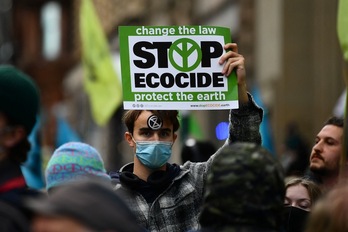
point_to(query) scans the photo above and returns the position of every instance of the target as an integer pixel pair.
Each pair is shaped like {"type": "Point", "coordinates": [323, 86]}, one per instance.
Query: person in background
{"type": "Point", "coordinates": [300, 196]}
{"type": "Point", "coordinates": [168, 197]}
{"type": "Point", "coordinates": [83, 206]}
{"type": "Point", "coordinates": [19, 106]}
{"type": "Point", "coordinates": [74, 161]}
{"type": "Point", "coordinates": [330, 213]}
{"type": "Point", "coordinates": [325, 157]}
{"type": "Point", "coordinates": [244, 191]}
{"type": "Point", "coordinates": [295, 157]}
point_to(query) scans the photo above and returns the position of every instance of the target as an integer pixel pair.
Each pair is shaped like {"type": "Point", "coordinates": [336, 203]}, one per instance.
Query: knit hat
{"type": "Point", "coordinates": [19, 97]}
{"type": "Point", "coordinates": [245, 187]}
{"type": "Point", "coordinates": [74, 161]}
{"type": "Point", "coordinates": [90, 202]}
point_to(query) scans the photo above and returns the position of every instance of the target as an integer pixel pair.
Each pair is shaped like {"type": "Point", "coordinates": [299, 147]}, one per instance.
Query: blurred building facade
{"type": "Point", "coordinates": [290, 46]}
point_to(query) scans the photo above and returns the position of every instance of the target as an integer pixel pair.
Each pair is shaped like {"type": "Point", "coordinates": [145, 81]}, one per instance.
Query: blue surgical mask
{"type": "Point", "coordinates": [153, 154]}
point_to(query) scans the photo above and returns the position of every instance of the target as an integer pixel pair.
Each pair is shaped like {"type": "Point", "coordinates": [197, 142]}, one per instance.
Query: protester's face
{"type": "Point", "coordinates": [142, 132]}
{"type": "Point", "coordinates": [326, 152]}
{"type": "Point", "coordinates": [57, 224]}
{"type": "Point", "coordinates": [297, 196]}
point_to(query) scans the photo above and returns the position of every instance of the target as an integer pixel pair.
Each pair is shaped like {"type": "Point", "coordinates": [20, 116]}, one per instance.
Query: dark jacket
{"type": "Point", "coordinates": [13, 190]}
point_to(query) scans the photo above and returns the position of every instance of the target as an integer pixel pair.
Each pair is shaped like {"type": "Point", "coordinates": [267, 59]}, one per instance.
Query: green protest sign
{"type": "Point", "coordinates": [175, 67]}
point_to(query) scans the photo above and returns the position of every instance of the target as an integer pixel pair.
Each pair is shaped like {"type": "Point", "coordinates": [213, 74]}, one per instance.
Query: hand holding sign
{"type": "Point", "coordinates": [235, 61]}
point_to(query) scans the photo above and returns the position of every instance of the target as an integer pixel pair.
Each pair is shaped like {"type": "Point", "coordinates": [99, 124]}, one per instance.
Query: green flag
{"type": "Point", "coordinates": [342, 26]}
{"type": "Point", "coordinates": [100, 81]}
{"type": "Point", "coordinates": [342, 32]}
{"type": "Point", "coordinates": [190, 127]}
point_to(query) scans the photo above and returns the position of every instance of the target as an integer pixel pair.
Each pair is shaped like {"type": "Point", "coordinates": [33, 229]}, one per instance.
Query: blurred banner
{"type": "Point", "coordinates": [101, 82]}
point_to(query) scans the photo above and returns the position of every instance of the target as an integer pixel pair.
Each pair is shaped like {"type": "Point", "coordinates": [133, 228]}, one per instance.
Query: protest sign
{"type": "Point", "coordinates": [175, 67]}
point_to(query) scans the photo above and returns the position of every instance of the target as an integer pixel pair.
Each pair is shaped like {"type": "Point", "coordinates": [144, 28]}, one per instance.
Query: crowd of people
{"type": "Point", "coordinates": [241, 187]}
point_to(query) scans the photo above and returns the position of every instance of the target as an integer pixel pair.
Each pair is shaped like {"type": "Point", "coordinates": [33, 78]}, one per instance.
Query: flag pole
{"type": "Point", "coordinates": [342, 34]}
{"type": "Point", "coordinates": [343, 160]}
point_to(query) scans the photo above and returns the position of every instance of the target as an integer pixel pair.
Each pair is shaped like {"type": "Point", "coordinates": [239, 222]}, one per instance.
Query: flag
{"type": "Point", "coordinates": [195, 128]}
{"type": "Point", "coordinates": [190, 127]}
{"type": "Point", "coordinates": [265, 127]}
{"type": "Point", "coordinates": [32, 168]}
{"type": "Point", "coordinates": [100, 80]}
{"type": "Point", "coordinates": [342, 32]}
{"type": "Point", "coordinates": [342, 27]}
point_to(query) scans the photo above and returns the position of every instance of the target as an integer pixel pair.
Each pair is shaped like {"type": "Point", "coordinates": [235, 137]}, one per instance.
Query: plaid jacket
{"type": "Point", "coordinates": [177, 208]}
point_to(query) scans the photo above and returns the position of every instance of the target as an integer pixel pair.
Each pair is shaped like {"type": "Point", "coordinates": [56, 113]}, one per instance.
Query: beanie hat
{"type": "Point", "coordinates": [74, 161]}
{"type": "Point", "coordinates": [19, 97]}
{"type": "Point", "coordinates": [245, 186]}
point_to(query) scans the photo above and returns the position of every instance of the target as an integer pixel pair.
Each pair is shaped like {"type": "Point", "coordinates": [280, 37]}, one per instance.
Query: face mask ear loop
{"type": "Point", "coordinates": [133, 138]}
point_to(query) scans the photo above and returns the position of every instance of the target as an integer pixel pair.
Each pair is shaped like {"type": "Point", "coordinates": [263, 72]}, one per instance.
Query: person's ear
{"type": "Point", "coordinates": [14, 136]}
{"type": "Point", "coordinates": [174, 137]}
{"type": "Point", "coordinates": [129, 138]}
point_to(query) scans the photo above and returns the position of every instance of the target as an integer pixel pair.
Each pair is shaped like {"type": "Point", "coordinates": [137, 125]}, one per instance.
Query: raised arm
{"type": "Point", "coordinates": [244, 121]}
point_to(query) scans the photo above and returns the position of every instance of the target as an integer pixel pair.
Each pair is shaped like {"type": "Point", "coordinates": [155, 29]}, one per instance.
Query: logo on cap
{"type": "Point", "coordinates": [154, 122]}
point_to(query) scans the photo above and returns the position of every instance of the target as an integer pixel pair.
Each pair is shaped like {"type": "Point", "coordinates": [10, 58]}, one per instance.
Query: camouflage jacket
{"type": "Point", "coordinates": [177, 208]}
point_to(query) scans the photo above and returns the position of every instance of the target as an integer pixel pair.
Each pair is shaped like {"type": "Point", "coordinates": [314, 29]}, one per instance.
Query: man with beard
{"type": "Point", "coordinates": [326, 152]}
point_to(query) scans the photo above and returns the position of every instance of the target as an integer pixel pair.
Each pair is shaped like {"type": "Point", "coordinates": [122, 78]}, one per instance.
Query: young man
{"type": "Point", "coordinates": [19, 106]}
{"type": "Point", "coordinates": [326, 153]}
{"type": "Point", "coordinates": [168, 197]}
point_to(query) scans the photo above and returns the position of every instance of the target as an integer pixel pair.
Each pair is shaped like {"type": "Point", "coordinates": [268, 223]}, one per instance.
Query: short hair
{"type": "Point", "coordinates": [313, 189]}
{"type": "Point", "coordinates": [132, 115]}
{"type": "Point", "coordinates": [336, 121]}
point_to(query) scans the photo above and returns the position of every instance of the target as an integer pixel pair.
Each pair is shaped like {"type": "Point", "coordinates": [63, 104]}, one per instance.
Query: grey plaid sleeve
{"type": "Point", "coordinates": [245, 123]}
